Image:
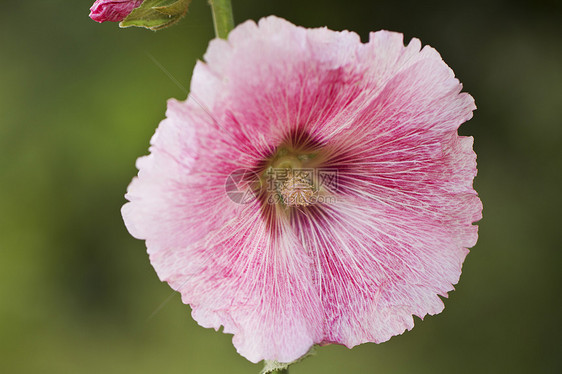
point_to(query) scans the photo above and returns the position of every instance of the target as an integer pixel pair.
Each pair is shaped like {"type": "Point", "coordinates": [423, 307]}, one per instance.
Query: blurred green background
{"type": "Point", "coordinates": [79, 102]}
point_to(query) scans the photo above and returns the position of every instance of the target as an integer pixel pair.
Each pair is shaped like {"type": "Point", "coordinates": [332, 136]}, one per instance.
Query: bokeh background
{"type": "Point", "coordinates": [79, 102]}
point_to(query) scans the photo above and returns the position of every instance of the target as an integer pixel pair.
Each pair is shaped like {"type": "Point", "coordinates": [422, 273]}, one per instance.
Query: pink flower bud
{"type": "Point", "coordinates": [113, 10]}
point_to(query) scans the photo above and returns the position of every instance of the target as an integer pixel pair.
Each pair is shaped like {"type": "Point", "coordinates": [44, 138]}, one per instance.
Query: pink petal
{"type": "Point", "coordinates": [260, 289]}
{"type": "Point", "coordinates": [178, 196]}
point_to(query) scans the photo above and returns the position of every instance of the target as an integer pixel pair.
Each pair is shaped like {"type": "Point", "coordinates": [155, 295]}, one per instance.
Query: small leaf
{"type": "Point", "coordinates": [156, 14]}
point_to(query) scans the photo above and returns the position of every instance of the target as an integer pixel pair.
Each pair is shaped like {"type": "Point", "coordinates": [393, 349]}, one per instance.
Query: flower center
{"type": "Point", "coordinates": [290, 177]}
{"type": "Point", "coordinates": [297, 189]}
{"type": "Point", "coordinates": [294, 175]}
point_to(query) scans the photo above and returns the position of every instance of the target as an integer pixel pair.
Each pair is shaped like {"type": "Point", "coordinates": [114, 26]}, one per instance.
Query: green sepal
{"type": "Point", "coordinates": [273, 367]}
{"type": "Point", "coordinates": [156, 14]}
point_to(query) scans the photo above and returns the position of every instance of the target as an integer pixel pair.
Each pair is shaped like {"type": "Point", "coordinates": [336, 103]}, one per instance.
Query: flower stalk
{"type": "Point", "coordinates": [280, 371]}
{"type": "Point", "coordinates": [222, 17]}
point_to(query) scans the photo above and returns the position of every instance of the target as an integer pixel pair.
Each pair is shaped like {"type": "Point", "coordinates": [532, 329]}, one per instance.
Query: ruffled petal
{"type": "Point", "coordinates": [179, 194]}
{"type": "Point", "coordinates": [276, 78]}
{"type": "Point", "coordinates": [376, 267]}
{"type": "Point", "coordinates": [257, 284]}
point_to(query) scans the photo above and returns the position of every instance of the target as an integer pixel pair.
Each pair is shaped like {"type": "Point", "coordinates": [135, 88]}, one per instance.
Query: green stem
{"type": "Point", "coordinates": [222, 17]}
{"type": "Point", "coordinates": [281, 371]}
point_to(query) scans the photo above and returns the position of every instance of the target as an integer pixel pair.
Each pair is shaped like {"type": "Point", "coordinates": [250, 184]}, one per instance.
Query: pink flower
{"type": "Point", "coordinates": [347, 259]}
{"type": "Point", "coordinates": [113, 10]}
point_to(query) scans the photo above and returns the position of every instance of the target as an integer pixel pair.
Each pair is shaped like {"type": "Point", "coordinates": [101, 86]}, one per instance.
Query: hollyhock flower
{"type": "Point", "coordinates": [348, 255]}
{"type": "Point", "coordinates": [113, 10]}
